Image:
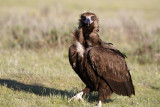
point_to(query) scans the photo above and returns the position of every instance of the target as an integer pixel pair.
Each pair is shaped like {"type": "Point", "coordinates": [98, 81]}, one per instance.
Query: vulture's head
{"type": "Point", "coordinates": [88, 19]}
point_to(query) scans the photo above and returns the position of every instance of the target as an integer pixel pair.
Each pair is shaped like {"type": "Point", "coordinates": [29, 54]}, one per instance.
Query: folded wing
{"type": "Point", "coordinates": [109, 64]}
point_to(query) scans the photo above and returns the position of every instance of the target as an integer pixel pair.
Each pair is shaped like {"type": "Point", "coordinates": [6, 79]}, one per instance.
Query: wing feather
{"type": "Point", "coordinates": [109, 46]}
{"type": "Point", "coordinates": [111, 67]}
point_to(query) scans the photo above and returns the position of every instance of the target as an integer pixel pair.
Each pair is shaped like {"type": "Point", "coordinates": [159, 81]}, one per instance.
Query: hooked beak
{"type": "Point", "coordinates": [88, 21]}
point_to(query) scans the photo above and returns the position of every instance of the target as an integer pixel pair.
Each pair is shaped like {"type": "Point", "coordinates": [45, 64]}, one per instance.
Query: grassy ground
{"type": "Point", "coordinates": [34, 41]}
{"type": "Point", "coordinates": [46, 79]}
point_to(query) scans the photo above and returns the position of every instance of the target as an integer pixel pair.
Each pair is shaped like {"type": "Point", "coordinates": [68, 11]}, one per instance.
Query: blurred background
{"type": "Point", "coordinates": [35, 37]}
{"type": "Point", "coordinates": [133, 26]}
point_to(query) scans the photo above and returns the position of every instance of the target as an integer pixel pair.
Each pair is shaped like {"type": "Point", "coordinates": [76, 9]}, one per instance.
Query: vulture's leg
{"type": "Point", "coordinates": [87, 90]}
{"type": "Point", "coordinates": [79, 95]}
{"type": "Point", "coordinates": [99, 104]}
{"type": "Point", "coordinates": [100, 97]}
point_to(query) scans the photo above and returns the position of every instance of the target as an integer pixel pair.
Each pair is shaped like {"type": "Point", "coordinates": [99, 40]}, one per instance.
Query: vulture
{"type": "Point", "coordinates": [98, 64]}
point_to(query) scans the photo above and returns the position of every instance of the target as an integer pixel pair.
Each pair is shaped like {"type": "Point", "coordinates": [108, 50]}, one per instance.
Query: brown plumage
{"type": "Point", "coordinates": [98, 64]}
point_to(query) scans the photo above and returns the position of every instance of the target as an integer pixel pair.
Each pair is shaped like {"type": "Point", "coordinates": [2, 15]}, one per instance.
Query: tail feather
{"type": "Point", "coordinates": [122, 88]}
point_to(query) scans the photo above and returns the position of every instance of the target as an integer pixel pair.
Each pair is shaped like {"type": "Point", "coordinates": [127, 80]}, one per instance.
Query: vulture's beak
{"type": "Point", "coordinates": [88, 21]}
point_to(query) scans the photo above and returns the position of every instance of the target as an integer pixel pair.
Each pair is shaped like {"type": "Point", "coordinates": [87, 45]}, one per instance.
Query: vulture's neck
{"type": "Point", "coordinates": [91, 36]}
{"type": "Point", "coordinates": [79, 41]}
{"type": "Point", "coordinates": [85, 37]}
{"type": "Point", "coordinates": [87, 31]}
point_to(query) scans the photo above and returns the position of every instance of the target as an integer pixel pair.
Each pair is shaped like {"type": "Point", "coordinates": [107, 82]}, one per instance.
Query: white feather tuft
{"type": "Point", "coordinates": [80, 48]}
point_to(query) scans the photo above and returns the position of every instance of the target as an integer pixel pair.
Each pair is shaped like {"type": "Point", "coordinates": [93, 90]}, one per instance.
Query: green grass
{"type": "Point", "coordinates": [40, 78]}
{"type": "Point", "coordinates": [34, 41]}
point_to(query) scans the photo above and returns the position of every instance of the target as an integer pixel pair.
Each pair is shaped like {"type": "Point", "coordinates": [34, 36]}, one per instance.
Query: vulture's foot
{"type": "Point", "coordinates": [78, 96]}
{"type": "Point", "coordinates": [99, 104]}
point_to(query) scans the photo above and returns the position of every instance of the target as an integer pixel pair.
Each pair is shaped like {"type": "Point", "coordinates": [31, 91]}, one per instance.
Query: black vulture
{"type": "Point", "coordinates": [98, 64]}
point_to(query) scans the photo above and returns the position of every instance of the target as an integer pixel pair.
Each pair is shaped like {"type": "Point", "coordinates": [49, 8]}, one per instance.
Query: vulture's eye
{"type": "Point", "coordinates": [83, 17]}
{"type": "Point", "coordinates": [93, 18]}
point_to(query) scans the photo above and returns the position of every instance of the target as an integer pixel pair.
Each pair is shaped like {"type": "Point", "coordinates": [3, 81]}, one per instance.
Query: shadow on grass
{"type": "Point", "coordinates": [36, 89]}
{"type": "Point", "coordinates": [44, 91]}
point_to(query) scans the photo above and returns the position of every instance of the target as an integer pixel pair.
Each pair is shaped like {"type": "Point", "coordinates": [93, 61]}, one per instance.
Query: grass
{"type": "Point", "coordinates": [31, 78]}
{"type": "Point", "coordinates": [34, 41]}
